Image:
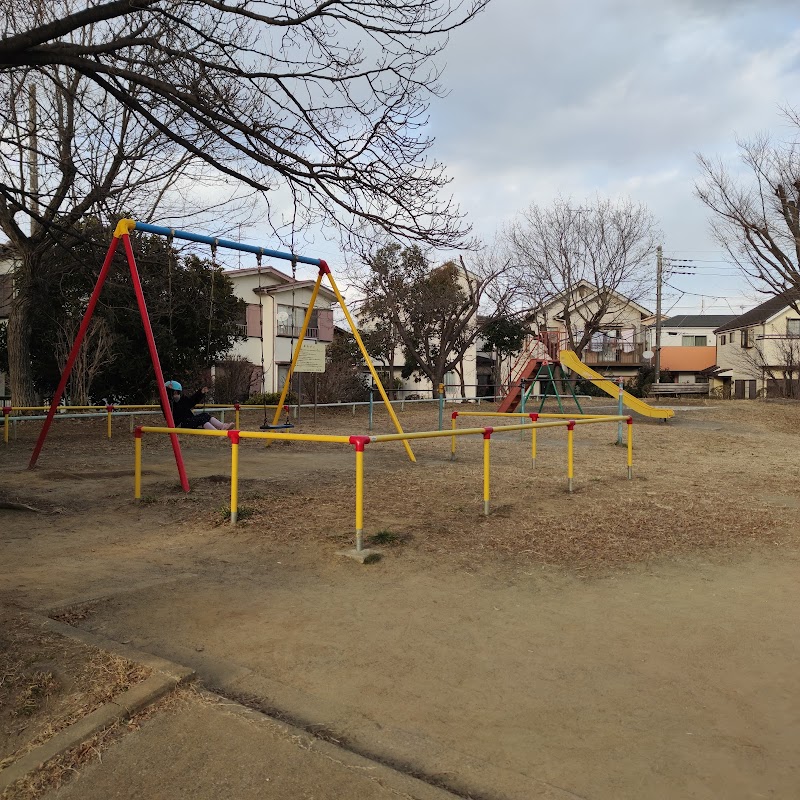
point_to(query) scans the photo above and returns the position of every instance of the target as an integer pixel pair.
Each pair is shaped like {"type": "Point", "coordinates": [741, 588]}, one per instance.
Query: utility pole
{"type": "Point", "coordinates": [659, 271]}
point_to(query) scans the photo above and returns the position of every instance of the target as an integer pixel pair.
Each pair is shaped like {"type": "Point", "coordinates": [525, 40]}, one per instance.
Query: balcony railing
{"type": "Point", "coordinates": [614, 353]}
{"type": "Point", "coordinates": [294, 331]}
{"type": "Point", "coordinates": [622, 354]}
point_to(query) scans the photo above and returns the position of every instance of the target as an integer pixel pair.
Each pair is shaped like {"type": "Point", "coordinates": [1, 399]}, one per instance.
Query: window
{"type": "Point", "coordinates": [694, 341]}
{"type": "Point", "coordinates": [723, 339]}
{"type": "Point", "coordinates": [290, 324]}
{"type": "Point", "coordinates": [793, 327]}
{"type": "Point", "coordinates": [241, 320]}
{"type": "Point", "coordinates": [746, 337]}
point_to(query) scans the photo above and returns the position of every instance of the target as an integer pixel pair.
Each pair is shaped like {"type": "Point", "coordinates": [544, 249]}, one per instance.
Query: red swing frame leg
{"type": "Point", "coordinates": [73, 354]}
{"type": "Point", "coordinates": [151, 345]}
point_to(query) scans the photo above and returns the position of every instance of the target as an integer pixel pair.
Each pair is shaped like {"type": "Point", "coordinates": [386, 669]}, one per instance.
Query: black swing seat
{"type": "Point", "coordinates": [281, 427]}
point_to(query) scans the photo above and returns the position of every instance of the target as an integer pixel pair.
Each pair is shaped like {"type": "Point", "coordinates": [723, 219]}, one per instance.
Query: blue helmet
{"type": "Point", "coordinates": [174, 386]}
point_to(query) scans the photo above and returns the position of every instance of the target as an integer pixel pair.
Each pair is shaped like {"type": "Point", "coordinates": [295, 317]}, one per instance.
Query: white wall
{"type": "Point", "coordinates": [277, 349]}
{"type": "Point", "coordinates": [672, 337]}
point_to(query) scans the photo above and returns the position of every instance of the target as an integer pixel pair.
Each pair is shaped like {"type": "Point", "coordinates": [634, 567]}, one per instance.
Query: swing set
{"type": "Point", "coordinates": [122, 233]}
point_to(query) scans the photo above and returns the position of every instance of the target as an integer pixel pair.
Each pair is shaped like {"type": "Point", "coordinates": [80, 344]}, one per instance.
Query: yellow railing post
{"type": "Point", "coordinates": [534, 420]}
{"type": "Point", "coordinates": [359, 442]}
{"type": "Point", "coordinates": [137, 463]}
{"type": "Point", "coordinates": [630, 448]}
{"type": "Point", "coordinates": [570, 452]}
{"type": "Point", "coordinates": [487, 439]}
{"type": "Point", "coordinates": [109, 410]}
{"type": "Point", "coordinates": [234, 437]}
{"type": "Point", "coordinates": [453, 438]}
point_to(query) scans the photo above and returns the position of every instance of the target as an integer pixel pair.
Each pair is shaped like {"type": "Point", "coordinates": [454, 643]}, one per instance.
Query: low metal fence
{"type": "Point", "coordinates": [359, 443]}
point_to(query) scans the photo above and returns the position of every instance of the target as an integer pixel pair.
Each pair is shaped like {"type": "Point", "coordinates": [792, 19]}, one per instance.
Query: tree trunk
{"type": "Point", "coordinates": [19, 350]}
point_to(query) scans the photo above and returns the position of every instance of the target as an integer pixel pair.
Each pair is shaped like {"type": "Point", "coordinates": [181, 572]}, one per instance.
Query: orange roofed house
{"type": "Point", "coordinates": [688, 346]}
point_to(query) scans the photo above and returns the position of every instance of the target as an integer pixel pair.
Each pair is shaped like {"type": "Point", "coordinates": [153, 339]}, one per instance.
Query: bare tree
{"type": "Point", "coordinates": [234, 379]}
{"type": "Point", "coordinates": [94, 353]}
{"type": "Point", "coordinates": [325, 97]}
{"type": "Point", "coordinates": [560, 249]}
{"type": "Point", "coordinates": [68, 151]}
{"type": "Point", "coordinates": [757, 219]}
{"type": "Point", "coordinates": [433, 311]}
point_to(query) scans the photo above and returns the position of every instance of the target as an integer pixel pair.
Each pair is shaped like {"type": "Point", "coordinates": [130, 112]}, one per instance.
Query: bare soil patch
{"type": "Point", "coordinates": [633, 639]}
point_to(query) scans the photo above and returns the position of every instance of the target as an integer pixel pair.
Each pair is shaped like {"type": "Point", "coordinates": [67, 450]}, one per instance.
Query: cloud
{"type": "Point", "coordinates": [588, 96]}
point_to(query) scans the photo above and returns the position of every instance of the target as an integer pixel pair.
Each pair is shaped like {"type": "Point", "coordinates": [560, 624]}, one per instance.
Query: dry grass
{"type": "Point", "coordinates": [47, 682]}
{"type": "Point", "coordinates": [59, 770]}
{"type": "Point", "coordinates": [705, 482]}
{"type": "Point", "coordinates": [702, 482]}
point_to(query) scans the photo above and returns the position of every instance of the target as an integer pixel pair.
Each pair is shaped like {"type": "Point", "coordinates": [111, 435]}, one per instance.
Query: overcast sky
{"type": "Point", "coordinates": [615, 97]}
{"type": "Point", "coordinates": [610, 98]}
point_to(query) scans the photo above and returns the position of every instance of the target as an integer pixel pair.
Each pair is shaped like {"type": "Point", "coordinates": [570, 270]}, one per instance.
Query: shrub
{"type": "Point", "coordinates": [270, 399]}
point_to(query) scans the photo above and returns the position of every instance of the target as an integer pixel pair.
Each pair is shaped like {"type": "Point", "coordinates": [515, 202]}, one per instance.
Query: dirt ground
{"type": "Point", "coordinates": [633, 639]}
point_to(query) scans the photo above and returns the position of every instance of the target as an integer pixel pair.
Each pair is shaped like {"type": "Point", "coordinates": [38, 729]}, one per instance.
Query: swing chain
{"type": "Point", "coordinates": [211, 309]}
{"type": "Point", "coordinates": [170, 240]}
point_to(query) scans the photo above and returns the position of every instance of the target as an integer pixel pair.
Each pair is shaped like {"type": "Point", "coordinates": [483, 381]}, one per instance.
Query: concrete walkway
{"type": "Point", "coordinates": [202, 748]}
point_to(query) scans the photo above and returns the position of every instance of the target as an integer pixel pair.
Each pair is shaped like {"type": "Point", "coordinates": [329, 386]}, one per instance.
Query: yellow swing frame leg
{"type": "Point", "coordinates": [325, 270]}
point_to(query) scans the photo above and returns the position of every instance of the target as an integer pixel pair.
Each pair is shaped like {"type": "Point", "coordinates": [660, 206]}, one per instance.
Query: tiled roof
{"type": "Point", "coordinates": [698, 321]}
{"type": "Point", "coordinates": [760, 314]}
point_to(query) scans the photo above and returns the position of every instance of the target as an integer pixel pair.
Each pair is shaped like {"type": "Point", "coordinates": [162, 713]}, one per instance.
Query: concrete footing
{"type": "Point", "coordinates": [362, 556]}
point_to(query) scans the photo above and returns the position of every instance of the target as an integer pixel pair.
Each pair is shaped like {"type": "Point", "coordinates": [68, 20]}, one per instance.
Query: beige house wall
{"type": "Point", "coordinates": [276, 349]}
{"type": "Point", "coordinates": [620, 314]}
{"type": "Point", "coordinates": [769, 343]}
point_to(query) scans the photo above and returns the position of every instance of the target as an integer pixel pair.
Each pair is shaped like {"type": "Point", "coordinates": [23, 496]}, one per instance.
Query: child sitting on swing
{"type": "Point", "coordinates": [182, 409]}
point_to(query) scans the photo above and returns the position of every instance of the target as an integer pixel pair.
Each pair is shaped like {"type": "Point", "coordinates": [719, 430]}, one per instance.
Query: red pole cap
{"type": "Point", "coordinates": [630, 420]}
{"type": "Point", "coordinates": [534, 417]}
{"type": "Point", "coordinates": [487, 433]}
{"type": "Point", "coordinates": [7, 410]}
{"type": "Point", "coordinates": [236, 406]}
{"type": "Point", "coordinates": [360, 442]}
{"type": "Point", "coordinates": [571, 425]}
{"type": "Point", "coordinates": [234, 437]}
{"type": "Point", "coordinates": [109, 407]}
{"type": "Point", "coordinates": [137, 432]}
{"type": "Point", "coordinates": [324, 269]}
{"type": "Point", "coordinates": [454, 415]}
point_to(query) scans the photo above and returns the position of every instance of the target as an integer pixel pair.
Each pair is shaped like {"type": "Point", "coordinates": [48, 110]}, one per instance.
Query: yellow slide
{"type": "Point", "coordinates": [572, 362]}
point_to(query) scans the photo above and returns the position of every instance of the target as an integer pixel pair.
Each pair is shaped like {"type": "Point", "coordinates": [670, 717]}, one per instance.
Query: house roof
{"type": "Point", "coordinates": [265, 270]}
{"type": "Point", "coordinates": [760, 314]}
{"type": "Point", "coordinates": [286, 281]}
{"type": "Point", "coordinates": [697, 320]}
{"type": "Point", "coordinates": [688, 359]}
{"type": "Point", "coordinates": [290, 287]}
{"type": "Point", "coordinates": [591, 295]}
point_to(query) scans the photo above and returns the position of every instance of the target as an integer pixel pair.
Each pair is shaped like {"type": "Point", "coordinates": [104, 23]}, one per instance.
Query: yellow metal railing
{"type": "Point", "coordinates": [360, 442]}
{"type": "Point", "coordinates": [112, 409]}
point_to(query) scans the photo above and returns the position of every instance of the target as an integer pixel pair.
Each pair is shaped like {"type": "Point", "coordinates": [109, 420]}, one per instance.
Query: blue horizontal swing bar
{"type": "Point", "coordinates": [228, 243]}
